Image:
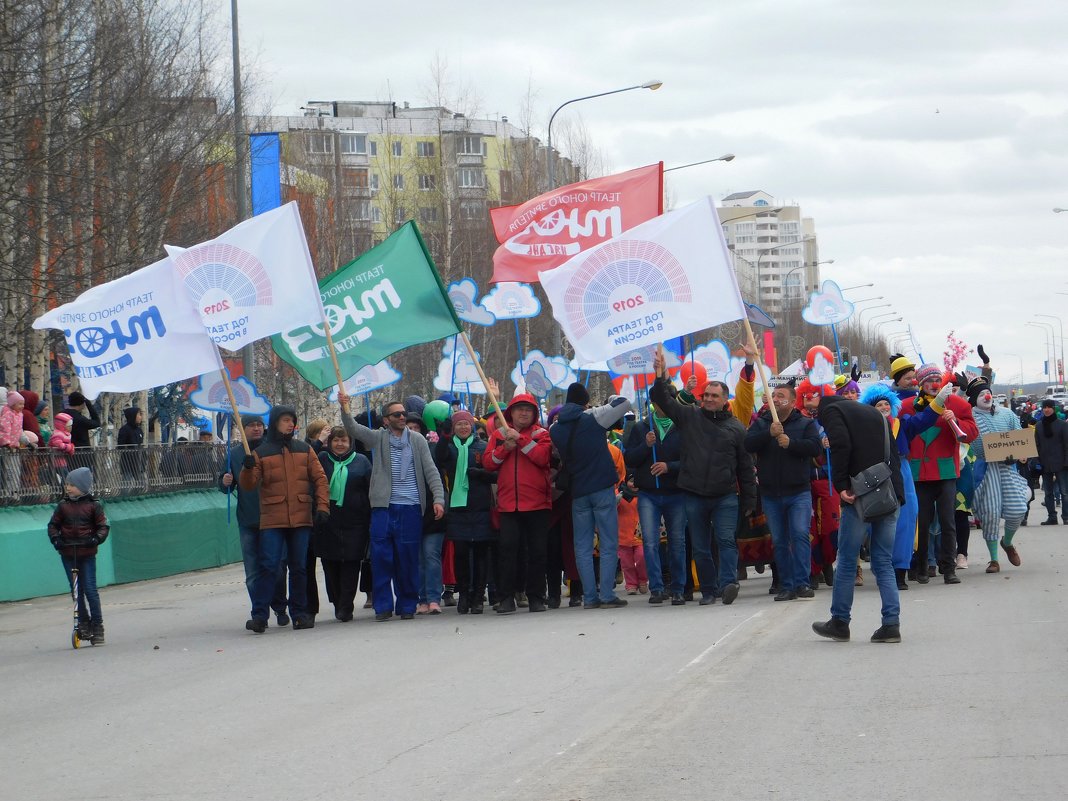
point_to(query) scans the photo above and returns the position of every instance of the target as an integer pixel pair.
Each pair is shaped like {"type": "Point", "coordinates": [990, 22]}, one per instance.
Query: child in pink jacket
{"type": "Point", "coordinates": [11, 421]}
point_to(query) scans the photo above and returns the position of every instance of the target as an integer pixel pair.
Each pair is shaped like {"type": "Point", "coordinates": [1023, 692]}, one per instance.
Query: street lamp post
{"type": "Point", "coordinates": [878, 325]}
{"type": "Point", "coordinates": [1019, 384]}
{"type": "Point", "coordinates": [1047, 334]}
{"type": "Point", "coordinates": [860, 317]}
{"type": "Point", "coordinates": [763, 252]}
{"type": "Point", "coordinates": [551, 164]}
{"type": "Point", "coordinates": [858, 286]}
{"type": "Point", "coordinates": [1060, 364]}
{"type": "Point", "coordinates": [724, 157]}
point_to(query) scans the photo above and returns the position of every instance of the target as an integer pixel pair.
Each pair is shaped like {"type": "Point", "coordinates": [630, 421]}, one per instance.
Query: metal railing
{"type": "Point", "coordinates": [35, 476]}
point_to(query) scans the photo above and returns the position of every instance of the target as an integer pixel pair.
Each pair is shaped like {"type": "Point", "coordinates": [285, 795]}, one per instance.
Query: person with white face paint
{"type": "Point", "coordinates": [1001, 493]}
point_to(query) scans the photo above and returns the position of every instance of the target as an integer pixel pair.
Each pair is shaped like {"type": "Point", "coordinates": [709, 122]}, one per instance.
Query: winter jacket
{"type": "Point", "coordinates": [714, 460]}
{"type": "Point", "coordinates": [1052, 449]}
{"type": "Point", "coordinates": [290, 479]}
{"type": "Point", "coordinates": [60, 439]}
{"type": "Point", "coordinates": [579, 437]}
{"type": "Point", "coordinates": [741, 405]}
{"type": "Point", "coordinates": [82, 424]}
{"type": "Point", "coordinates": [857, 433]}
{"type": "Point", "coordinates": [523, 473]}
{"type": "Point", "coordinates": [639, 459]}
{"type": "Point", "coordinates": [934, 454]}
{"type": "Point", "coordinates": [248, 501]}
{"type": "Point", "coordinates": [473, 521]}
{"type": "Point", "coordinates": [131, 440]}
{"type": "Point", "coordinates": [10, 427]}
{"type": "Point", "coordinates": [377, 443]}
{"type": "Point", "coordinates": [783, 471]}
{"type": "Point", "coordinates": [344, 537]}
{"type": "Point", "coordinates": [29, 419]}
{"type": "Point", "coordinates": [78, 526]}
{"type": "Point", "coordinates": [131, 433]}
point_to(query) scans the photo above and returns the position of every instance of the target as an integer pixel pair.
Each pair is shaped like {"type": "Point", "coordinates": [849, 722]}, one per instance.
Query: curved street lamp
{"type": "Point", "coordinates": [878, 325]}
{"type": "Point", "coordinates": [860, 316]}
{"type": "Point", "coordinates": [1060, 364]}
{"type": "Point", "coordinates": [724, 157]}
{"type": "Point", "coordinates": [1047, 334]}
{"type": "Point", "coordinates": [653, 85]}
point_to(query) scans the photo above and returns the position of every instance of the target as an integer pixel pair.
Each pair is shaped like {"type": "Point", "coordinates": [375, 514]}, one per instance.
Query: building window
{"type": "Point", "coordinates": [354, 179]}
{"type": "Point", "coordinates": [398, 182]}
{"type": "Point", "coordinates": [470, 146]}
{"type": "Point", "coordinates": [320, 143]}
{"type": "Point", "coordinates": [373, 182]}
{"type": "Point", "coordinates": [361, 210]}
{"type": "Point", "coordinates": [376, 214]}
{"type": "Point", "coordinates": [471, 178]}
{"type": "Point", "coordinates": [372, 148]}
{"type": "Point", "coordinates": [428, 214]}
{"type": "Point", "coordinates": [398, 149]}
{"type": "Point", "coordinates": [427, 182]}
{"type": "Point", "coordinates": [472, 210]}
{"type": "Point", "coordinates": [506, 183]}
{"type": "Point", "coordinates": [400, 214]}
{"type": "Point", "coordinates": [353, 144]}
{"type": "Point", "coordinates": [425, 150]}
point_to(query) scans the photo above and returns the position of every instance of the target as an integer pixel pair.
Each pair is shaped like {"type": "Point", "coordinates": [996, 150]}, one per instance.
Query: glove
{"type": "Point", "coordinates": [249, 462]}
{"type": "Point", "coordinates": [56, 544]}
{"type": "Point", "coordinates": [854, 371]}
{"type": "Point", "coordinates": [1008, 460]}
{"type": "Point", "coordinates": [982, 354]}
{"type": "Point", "coordinates": [939, 402]}
{"type": "Point", "coordinates": [94, 541]}
{"type": "Point", "coordinates": [445, 428]}
{"type": "Point", "coordinates": [322, 518]}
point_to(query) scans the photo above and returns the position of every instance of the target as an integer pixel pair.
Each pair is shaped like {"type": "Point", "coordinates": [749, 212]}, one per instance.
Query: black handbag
{"type": "Point", "coordinates": [873, 487]}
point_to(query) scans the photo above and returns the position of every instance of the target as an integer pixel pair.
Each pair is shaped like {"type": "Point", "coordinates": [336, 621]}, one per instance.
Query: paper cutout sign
{"type": "Point", "coordinates": [367, 379]}
{"type": "Point", "coordinates": [640, 361]}
{"type": "Point", "coordinates": [828, 306]}
{"type": "Point", "coordinates": [456, 371]}
{"type": "Point", "coordinates": [511, 301]}
{"type": "Point", "coordinates": [211, 395]}
{"type": "Point", "coordinates": [1019, 444]}
{"type": "Point", "coordinates": [463, 294]}
{"type": "Point", "coordinates": [555, 369]}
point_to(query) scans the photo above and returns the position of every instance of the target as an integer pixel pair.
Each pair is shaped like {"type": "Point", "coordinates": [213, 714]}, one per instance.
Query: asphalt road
{"type": "Point", "coordinates": [739, 702]}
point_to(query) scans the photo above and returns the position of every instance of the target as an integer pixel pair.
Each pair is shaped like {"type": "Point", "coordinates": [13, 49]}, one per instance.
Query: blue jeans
{"type": "Point", "coordinates": [672, 508]}
{"type": "Point", "coordinates": [596, 511]}
{"type": "Point", "coordinates": [851, 532]}
{"type": "Point", "coordinates": [250, 555]}
{"type": "Point", "coordinates": [1051, 483]}
{"type": "Point", "coordinates": [703, 517]}
{"type": "Point", "coordinates": [789, 518]}
{"type": "Point", "coordinates": [430, 586]}
{"type": "Point", "coordinates": [275, 545]}
{"type": "Point", "coordinates": [87, 590]}
{"type": "Point", "coordinates": [396, 534]}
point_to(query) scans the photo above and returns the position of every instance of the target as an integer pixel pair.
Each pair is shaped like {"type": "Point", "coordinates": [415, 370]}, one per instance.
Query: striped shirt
{"type": "Point", "coordinates": [405, 487]}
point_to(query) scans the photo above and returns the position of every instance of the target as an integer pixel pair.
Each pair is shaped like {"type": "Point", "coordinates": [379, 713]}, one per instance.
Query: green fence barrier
{"type": "Point", "coordinates": [153, 536]}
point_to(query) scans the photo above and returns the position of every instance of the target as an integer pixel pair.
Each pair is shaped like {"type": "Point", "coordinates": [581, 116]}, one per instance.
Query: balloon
{"type": "Point", "coordinates": [434, 412]}
{"type": "Point", "coordinates": [822, 350]}
{"type": "Point", "coordinates": [690, 367]}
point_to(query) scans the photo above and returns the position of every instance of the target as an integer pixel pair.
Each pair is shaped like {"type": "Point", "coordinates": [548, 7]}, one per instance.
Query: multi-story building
{"type": "Point", "coordinates": [774, 247]}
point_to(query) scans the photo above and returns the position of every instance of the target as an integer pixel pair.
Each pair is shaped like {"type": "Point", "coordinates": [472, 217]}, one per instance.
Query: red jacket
{"type": "Point", "coordinates": [523, 473]}
{"type": "Point", "coordinates": [934, 454]}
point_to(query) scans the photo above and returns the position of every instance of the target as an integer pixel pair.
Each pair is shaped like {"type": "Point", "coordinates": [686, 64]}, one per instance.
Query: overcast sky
{"type": "Point", "coordinates": [927, 139]}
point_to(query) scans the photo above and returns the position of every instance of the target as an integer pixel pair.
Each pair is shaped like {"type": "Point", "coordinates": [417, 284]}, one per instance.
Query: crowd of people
{"type": "Point", "coordinates": [425, 511]}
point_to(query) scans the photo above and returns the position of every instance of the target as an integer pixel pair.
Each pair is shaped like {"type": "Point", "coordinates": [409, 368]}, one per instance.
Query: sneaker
{"type": "Point", "coordinates": [707, 600]}
{"type": "Point", "coordinates": [433, 609]}
{"type": "Point", "coordinates": [256, 625]}
{"type": "Point", "coordinates": [507, 606]}
{"type": "Point", "coordinates": [932, 571]}
{"type": "Point", "coordinates": [887, 634]}
{"type": "Point", "coordinates": [786, 595]}
{"type": "Point", "coordinates": [993, 567]}
{"type": "Point", "coordinates": [688, 595]}
{"type": "Point", "coordinates": [859, 580]}
{"type": "Point", "coordinates": [951, 578]}
{"type": "Point", "coordinates": [368, 604]}
{"type": "Point", "coordinates": [574, 601]}
{"type": "Point", "coordinates": [834, 629]}
{"type": "Point", "coordinates": [632, 590]}
{"type": "Point", "coordinates": [535, 605]}
{"type": "Point", "coordinates": [407, 616]}
{"type": "Point", "coordinates": [678, 600]}
{"type": "Point", "coordinates": [283, 619]}
{"type": "Point", "coordinates": [85, 629]}
{"type": "Point", "coordinates": [521, 600]}
{"type": "Point", "coordinates": [591, 604]}
{"type": "Point", "coordinates": [448, 598]}
{"type": "Point", "coordinates": [306, 622]}
{"type": "Point", "coordinates": [422, 609]}
{"type": "Point", "coordinates": [643, 589]}
{"type": "Point", "coordinates": [806, 594]}
{"type": "Point", "coordinates": [382, 617]}
{"type": "Point", "coordinates": [96, 637]}
{"type": "Point", "coordinates": [962, 562]}
{"type": "Point", "coordinates": [1012, 553]}
{"type": "Point", "coordinates": [730, 592]}
{"type": "Point", "coordinates": [657, 597]}
{"type": "Point", "coordinates": [615, 603]}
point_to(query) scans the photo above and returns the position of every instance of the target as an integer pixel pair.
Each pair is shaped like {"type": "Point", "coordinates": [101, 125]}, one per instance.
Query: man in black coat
{"type": "Point", "coordinates": [1051, 437]}
{"type": "Point", "coordinates": [858, 436]}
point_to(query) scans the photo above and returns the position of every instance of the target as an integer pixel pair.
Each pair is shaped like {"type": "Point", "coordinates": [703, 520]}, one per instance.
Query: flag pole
{"type": "Point", "coordinates": [485, 381]}
{"type": "Point", "coordinates": [760, 368]}
{"type": "Point", "coordinates": [230, 394]}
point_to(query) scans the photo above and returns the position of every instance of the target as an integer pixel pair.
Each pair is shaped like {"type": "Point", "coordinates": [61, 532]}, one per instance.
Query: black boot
{"type": "Point", "coordinates": [463, 603]}
{"type": "Point", "coordinates": [97, 636]}
{"type": "Point", "coordinates": [900, 574]}
{"type": "Point", "coordinates": [834, 629]}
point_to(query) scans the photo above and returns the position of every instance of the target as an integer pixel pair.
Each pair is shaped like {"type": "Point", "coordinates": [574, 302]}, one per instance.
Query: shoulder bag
{"type": "Point", "coordinates": [873, 487]}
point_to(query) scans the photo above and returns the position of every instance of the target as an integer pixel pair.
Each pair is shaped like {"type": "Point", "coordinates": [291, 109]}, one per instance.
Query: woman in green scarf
{"type": "Point", "coordinates": [341, 543]}
{"type": "Point", "coordinates": [469, 524]}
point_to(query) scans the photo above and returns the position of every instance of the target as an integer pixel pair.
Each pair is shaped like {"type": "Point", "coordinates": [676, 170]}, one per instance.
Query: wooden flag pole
{"type": "Point", "coordinates": [485, 381]}
{"type": "Point", "coordinates": [233, 402]}
{"type": "Point", "coordinates": [333, 353]}
{"type": "Point", "coordinates": [760, 368]}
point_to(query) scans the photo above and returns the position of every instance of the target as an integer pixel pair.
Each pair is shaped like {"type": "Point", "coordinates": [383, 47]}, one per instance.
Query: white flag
{"type": "Point", "coordinates": [133, 333]}
{"type": "Point", "coordinates": [664, 278]}
{"type": "Point", "coordinates": [253, 281]}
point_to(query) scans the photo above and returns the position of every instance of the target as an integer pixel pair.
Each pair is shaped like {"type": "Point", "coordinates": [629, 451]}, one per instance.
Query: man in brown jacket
{"type": "Point", "coordinates": [294, 493]}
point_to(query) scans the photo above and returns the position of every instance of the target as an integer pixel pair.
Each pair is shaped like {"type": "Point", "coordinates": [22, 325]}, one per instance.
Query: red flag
{"type": "Point", "coordinates": [546, 231]}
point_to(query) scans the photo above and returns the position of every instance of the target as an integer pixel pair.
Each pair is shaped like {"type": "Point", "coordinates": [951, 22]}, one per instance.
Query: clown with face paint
{"type": "Point", "coordinates": [1001, 493]}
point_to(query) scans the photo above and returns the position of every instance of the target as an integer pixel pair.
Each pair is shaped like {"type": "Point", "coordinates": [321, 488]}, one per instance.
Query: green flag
{"type": "Point", "coordinates": [388, 299]}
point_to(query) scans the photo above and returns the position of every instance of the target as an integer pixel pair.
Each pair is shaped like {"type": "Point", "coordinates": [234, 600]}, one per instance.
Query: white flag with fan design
{"type": "Point", "coordinates": [253, 281]}
{"type": "Point", "coordinates": [664, 278]}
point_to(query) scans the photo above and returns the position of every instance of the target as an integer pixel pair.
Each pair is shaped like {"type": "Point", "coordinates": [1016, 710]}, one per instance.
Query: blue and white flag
{"type": "Point", "coordinates": [133, 333]}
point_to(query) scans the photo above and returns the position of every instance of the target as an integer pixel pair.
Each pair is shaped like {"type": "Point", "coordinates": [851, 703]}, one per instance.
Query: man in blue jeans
{"type": "Point", "coordinates": [579, 436]}
{"type": "Point", "coordinates": [784, 448]}
{"type": "Point", "coordinates": [716, 473]}
{"type": "Point", "coordinates": [857, 434]}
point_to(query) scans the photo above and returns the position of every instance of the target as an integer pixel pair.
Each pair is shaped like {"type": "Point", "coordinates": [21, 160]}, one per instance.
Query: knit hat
{"type": "Point", "coordinates": [462, 415]}
{"type": "Point", "coordinates": [82, 478]}
{"type": "Point", "coordinates": [900, 365]}
{"type": "Point", "coordinates": [13, 398]}
{"type": "Point", "coordinates": [1049, 403]}
{"type": "Point", "coordinates": [928, 371]}
{"type": "Point", "coordinates": [577, 393]}
{"type": "Point", "coordinates": [250, 419]}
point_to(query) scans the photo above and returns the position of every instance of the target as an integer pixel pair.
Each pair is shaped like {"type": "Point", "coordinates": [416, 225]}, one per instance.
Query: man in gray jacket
{"type": "Point", "coordinates": [401, 474]}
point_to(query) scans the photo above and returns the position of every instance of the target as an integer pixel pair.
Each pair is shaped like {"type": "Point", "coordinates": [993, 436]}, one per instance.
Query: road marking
{"type": "Point", "coordinates": [700, 657]}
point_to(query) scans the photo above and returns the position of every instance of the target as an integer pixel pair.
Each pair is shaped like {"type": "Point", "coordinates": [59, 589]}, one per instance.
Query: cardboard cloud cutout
{"type": "Point", "coordinates": [555, 369]}
{"type": "Point", "coordinates": [456, 371]}
{"type": "Point", "coordinates": [822, 371]}
{"type": "Point", "coordinates": [640, 361]}
{"type": "Point", "coordinates": [211, 395]}
{"type": "Point", "coordinates": [463, 293]}
{"type": "Point", "coordinates": [510, 300]}
{"type": "Point", "coordinates": [716, 357]}
{"type": "Point", "coordinates": [369, 378]}
{"type": "Point", "coordinates": [536, 382]}
{"type": "Point", "coordinates": [828, 306]}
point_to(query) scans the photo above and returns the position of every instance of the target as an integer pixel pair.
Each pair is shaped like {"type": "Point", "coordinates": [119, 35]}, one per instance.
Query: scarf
{"type": "Point", "coordinates": [401, 448]}
{"type": "Point", "coordinates": [663, 425]}
{"type": "Point", "coordinates": [1047, 425]}
{"type": "Point", "coordinates": [339, 477]}
{"type": "Point", "coordinates": [461, 483]}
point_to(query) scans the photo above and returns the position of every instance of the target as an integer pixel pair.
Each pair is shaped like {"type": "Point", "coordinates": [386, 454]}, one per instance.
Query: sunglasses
{"type": "Point", "coordinates": [397, 414]}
